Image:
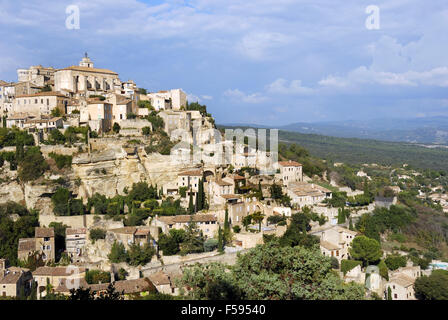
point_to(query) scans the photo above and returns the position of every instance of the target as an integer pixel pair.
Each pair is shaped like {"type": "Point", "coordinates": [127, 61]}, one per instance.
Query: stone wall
{"type": "Point", "coordinates": [84, 221]}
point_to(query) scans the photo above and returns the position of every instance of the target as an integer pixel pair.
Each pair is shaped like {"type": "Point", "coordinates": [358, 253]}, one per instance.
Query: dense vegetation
{"type": "Point", "coordinates": [270, 272]}
{"type": "Point", "coordinates": [11, 231]}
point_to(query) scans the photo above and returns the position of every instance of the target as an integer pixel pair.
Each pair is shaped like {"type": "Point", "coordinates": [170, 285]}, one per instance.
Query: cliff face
{"type": "Point", "coordinates": [112, 165]}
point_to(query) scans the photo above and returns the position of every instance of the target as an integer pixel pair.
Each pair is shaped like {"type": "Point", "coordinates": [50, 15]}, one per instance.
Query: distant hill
{"type": "Point", "coordinates": [358, 151]}
{"type": "Point", "coordinates": [420, 130]}
{"type": "Point", "coordinates": [431, 130]}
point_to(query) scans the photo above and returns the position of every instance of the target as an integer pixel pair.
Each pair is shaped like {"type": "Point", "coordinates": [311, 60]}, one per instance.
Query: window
{"type": "Point", "coordinates": [395, 296]}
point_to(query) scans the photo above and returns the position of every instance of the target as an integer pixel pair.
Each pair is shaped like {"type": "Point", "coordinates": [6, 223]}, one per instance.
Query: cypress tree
{"type": "Point", "coordinates": [226, 226]}
{"type": "Point", "coordinates": [220, 240]}
{"type": "Point", "coordinates": [190, 204]}
{"type": "Point", "coordinates": [200, 202]}
{"type": "Point", "coordinates": [351, 225]}
{"type": "Point", "coordinates": [20, 153]}
{"type": "Point", "coordinates": [389, 293]}
{"type": "Point", "coordinates": [260, 190]}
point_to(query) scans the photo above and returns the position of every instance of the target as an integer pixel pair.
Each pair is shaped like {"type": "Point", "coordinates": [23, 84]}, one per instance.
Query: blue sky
{"type": "Point", "coordinates": [269, 62]}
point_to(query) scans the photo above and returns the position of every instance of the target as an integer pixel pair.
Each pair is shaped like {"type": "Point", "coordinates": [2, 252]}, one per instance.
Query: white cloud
{"type": "Point", "coordinates": [281, 86]}
{"type": "Point", "coordinates": [194, 98]}
{"type": "Point", "coordinates": [262, 45]}
{"type": "Point", "coordinates": [362, 75]}
{"type": "Point", "coordinates": [236, 94]}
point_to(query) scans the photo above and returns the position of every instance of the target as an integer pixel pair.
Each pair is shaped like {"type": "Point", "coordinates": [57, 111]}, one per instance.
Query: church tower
{"type": "Point", "coordinates": [86, 62]}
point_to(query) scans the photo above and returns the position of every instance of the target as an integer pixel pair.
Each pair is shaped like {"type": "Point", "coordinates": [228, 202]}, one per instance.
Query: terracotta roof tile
{"type": "Point", "coordinates": [43, 232]}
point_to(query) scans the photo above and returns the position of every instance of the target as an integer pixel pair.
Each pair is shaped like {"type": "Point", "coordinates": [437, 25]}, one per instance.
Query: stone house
{"type": "Point", "coordinates": [75, 240]}
{"type": "Point", "coordinates": [14, 280]}
{"type": "Point", "coordinates": [68, 277]}
{"type": "Point", "coordinates": [43, 243]}
{"type": "Point", "coordinates": [207, 223]}
{"type": "Point", "coordinates": [307, 194]}
{"type": "Point", "coordinates": [335, 242]}
{"type": "Point", "coordinates": [401, 282]}
{"type": "Point", "coordinates": [190, 180]}
{"type": "Point", "coordinates": [131, 235]}
{"type": "Point", "coordinates": [218, 189]}
{"type": "Point", "coordinates": [164, 283]}
{"type": "Point", "coordinates": [41, 103]}
{"type": "Point", "coordinates": [290, 171]}
{"type": "Point", "coordinates": [98, 115]}
{"type": "Point", "coordinates": [130, 288]}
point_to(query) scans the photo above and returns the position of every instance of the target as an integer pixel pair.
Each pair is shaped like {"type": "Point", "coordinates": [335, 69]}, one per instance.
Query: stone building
{"type": "Point", "coordinates": [42, 243]}
{"type": "Point", "coordinates": [401, 282]}
{"type": "Point", "coordinates": [335, 242]}
{"type": "Point", "coordinates": [307, 194]}
{"type": "Point", "coordinates": [68, 277]}
{"type": "Point", "coordinates": [290, 171]}
{"type": "Point", "coordinates": [174, 99]}
{"type": "Point", "coordinates": [37, 75]}
{"type": "Point", "coordinates": [41, 103]}
{"type": "Point", "coordinates": [132, 235]}
{"type": "Point", "coordinates": [190, 180]}
{"type": "Point", "coordinates": [75, 240]}
{"type": "Point", "coordinates": [207, 223]}
{"type": "Point", "coordinates": [14, 281]}
{"type": "Point", "coordinates": [98, 115]}
{"type": "Point", "coordinates": [85, 79]}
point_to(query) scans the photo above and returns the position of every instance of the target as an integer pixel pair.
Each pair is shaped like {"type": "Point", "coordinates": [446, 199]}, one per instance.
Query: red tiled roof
{"type": "Point", "coordinates": [289, 163]}
{"type": "Point", "coordinates": [191, 173]}
{"type": "Point", "coordinates": [43, 232]}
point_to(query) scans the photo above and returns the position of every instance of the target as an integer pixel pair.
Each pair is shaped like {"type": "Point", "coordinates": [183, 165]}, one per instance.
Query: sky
{"type": "Point", "coordinates": [271, 62]}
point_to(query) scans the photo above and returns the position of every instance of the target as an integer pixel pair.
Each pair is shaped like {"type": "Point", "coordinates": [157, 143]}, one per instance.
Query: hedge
{"type": "Point", "coordinates": [347, 265]}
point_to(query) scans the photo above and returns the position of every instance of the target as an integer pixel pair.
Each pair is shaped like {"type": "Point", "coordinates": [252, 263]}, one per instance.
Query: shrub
{"type": "Point", "coordinates": [62, 161]}
{"type": "Point", "coordinates": [236, 229]}
{"type": "Point", "coordinates": [334, 263]}
{"type": "Point", "coordinates": [33, 165]}
{"type": "Point", "coordinates": [97, 276]}
{"type": "Point", "coordinates": [347, 265]}
{"type": "Point", "coordinates": [96, 234]}
{"type": "Point", "coordinates": [394, 262]}
{"type": "Point", "coordinates": [210, 245]}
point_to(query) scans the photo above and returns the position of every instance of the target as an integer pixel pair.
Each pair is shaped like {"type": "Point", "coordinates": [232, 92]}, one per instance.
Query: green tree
{"type": "Point", "coordinates": [190, 204]}
{"type": "Point", "coordinates": [97, 276]}
{"type": "Point", "coordinates": [56, 137]}
{"type": "Point", "coordinates": [32, 166]}
{"type": "Point", "coordinates": [140, 255]}
{"type": "Point", "coordinates": [394, 262]}
{"type": "Point", "coordinates": [432, 287]}
{"type": "Point", "coordinates": [258, 217]}
{"type": "Point", "coordinates": [270, 272]}
{"type": "Point", "coordinates": [118, 253]}
{"type": "Point", "coordinates": [193, 239]}
{"type": "Point", "coordinates": [116, 128]}
{"type": "Point", "coordinates": [226, 232]}
{"type": "Point", "coordinates": [220, 240]}
{"type": "Point", "coordinates": [365, 249]}
{"type": "Point", "coordinates": [96, 234]}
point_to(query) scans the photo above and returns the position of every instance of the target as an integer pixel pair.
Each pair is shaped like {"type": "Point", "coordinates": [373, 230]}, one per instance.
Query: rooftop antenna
{"type": "Point", "coordinates": [86, 55]}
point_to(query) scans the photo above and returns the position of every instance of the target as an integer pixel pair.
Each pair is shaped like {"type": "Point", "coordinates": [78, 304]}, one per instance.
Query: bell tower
{"type": "Point", "coordinates": [86, 62]}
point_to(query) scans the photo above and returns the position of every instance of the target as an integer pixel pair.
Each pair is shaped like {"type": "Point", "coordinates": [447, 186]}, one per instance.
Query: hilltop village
{"type": "Point", "coordinates": [107, 187]}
